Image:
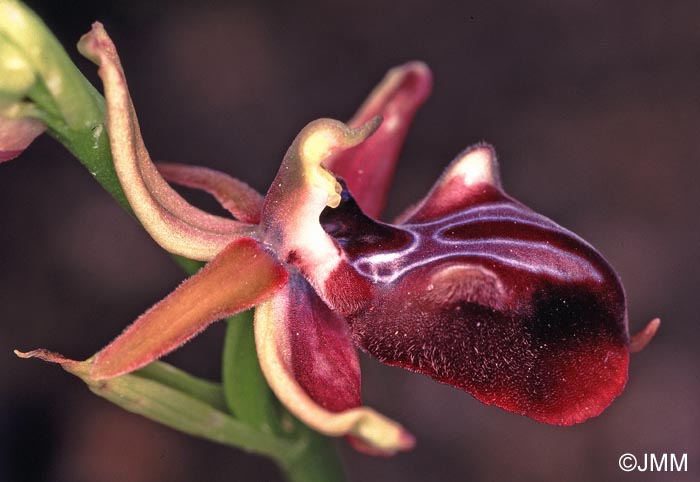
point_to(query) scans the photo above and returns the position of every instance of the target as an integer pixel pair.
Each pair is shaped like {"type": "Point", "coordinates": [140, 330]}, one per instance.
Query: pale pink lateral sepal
{"type": "Point", "coordinates": [238, 278]}
{"type": "Point", "coordinates": [308, 360]}
{"type": "Point", "coordinates": [176, 225]}
{"type": "Point", "coordinates": [16, 135]}
{"type": "Point", "coordinates": [368, 168]}
{"type": "Point", "coordinates": [237, 197]}
{"type": "Point", "coordinates": [460, 185]}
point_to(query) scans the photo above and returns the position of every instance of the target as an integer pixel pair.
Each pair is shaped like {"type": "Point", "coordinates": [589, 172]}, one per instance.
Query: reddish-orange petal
{"type": "Point", "coordinates": [240, 277]}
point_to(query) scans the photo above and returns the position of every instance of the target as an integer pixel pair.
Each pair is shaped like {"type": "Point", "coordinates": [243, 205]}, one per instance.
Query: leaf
{"type": "Point", "coordinates": [238, 278]}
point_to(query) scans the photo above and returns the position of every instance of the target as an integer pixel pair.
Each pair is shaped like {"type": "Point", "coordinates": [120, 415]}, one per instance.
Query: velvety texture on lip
{"type": "Point", "coordinates": [479, 292]}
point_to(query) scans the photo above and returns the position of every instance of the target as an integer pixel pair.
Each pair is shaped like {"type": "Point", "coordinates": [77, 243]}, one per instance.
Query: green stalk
{"type": "Point", "coordinates": [318, 462]}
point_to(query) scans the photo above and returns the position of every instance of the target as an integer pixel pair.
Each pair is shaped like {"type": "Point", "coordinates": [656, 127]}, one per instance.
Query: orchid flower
{"type": "Point", "coordinates": [469, 286]}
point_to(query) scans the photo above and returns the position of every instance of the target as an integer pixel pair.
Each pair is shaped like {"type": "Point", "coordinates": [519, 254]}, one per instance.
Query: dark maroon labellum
{"type": "Point", "coordinates": [491, 298]}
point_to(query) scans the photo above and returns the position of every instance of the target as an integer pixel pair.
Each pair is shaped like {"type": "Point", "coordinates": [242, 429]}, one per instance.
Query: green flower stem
{"type": "Point", "coordinates": [318, 462]}
{"type": "Point", "coordinates": [46, 85]}
{"type": "Point", "coordinates": [247, 394]}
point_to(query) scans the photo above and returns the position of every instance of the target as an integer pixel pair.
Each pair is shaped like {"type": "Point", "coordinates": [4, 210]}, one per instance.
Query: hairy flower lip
{"type": "Point", "coordinates": [471, 184]}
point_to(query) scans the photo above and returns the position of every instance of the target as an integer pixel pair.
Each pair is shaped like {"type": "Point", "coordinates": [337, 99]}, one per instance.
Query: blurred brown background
{"type": "Point", "coordinates": [593, 107]}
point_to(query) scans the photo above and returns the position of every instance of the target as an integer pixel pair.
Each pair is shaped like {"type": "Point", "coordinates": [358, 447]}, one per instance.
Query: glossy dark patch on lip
{"type": "Point", "coordinates": [580, 337]}
{"type": "Point", "coordinates": [573, 314]}
{"type": "Point", "coordinates": [357, 233]}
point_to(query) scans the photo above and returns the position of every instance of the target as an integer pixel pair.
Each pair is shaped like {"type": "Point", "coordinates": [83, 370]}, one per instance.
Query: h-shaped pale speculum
{"type": "Point", "coordinates": [469, 286]}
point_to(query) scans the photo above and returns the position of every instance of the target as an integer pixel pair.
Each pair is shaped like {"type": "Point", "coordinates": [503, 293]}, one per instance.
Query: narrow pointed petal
{"type": "Point", "coordinates": [241, 200]}
{"type": "Point", "coordinates": [298, 195]}
{"type": "Point", "coordinates": [16, 135]}
{"type": "Point", "coordinates": [309, 361]}
{"type": "Point", "coordinates": [238, 278]}
{"type": "Point", "coordinates": [176, 225]}
{"type": "Point", "coordinates": [640, 340]}
{"type": "Point", "coordinates": [369, 168]}
{"type": "Point", "coordinates": [463, 183]}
